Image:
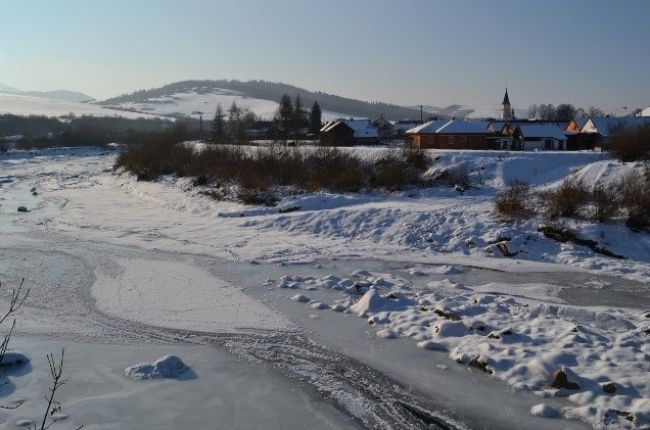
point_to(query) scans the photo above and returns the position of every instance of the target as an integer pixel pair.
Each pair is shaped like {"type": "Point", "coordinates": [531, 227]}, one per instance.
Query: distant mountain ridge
{"type": "Point", "coordinates": [73, 96]}
{"type": "Point", "coordinates": [272, 91]}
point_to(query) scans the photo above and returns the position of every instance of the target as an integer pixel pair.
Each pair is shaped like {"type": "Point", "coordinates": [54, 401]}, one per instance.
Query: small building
{"type": "Point", "coordinates": [453, 134]}
{"type": "Point", "coordinates": [537, 137]}
{"type": "Point", "coordinates": [363, 132]}
{"type": "Point", "coordinates": [337, 133]}
{"type": "Point", "coordinates": [384, 127]}
{"type": "Point", "coordinates": [402, 126]}
{"type": "Point", "coordinates": [599, 130]}
{"type": "Point", "coordinates": [645, 113]}
{"type": "Point", "coordinates": [575, 139]}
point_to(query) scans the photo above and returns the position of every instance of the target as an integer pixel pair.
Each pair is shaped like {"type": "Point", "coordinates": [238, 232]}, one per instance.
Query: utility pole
{"type": "Point", "coordinates": [200, 114]}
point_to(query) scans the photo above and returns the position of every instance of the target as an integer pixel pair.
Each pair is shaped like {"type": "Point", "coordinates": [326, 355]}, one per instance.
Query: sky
{"type": "Point", "coordinates": [410, 52]}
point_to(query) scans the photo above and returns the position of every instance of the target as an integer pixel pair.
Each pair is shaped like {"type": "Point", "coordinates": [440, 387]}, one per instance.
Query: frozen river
{"type": "Point", "coordinates": [119, 276]}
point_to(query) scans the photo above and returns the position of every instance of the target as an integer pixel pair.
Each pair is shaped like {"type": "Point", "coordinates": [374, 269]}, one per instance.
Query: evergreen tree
{"type": "Point", "coordinates": [284, 116]}
{"type": "Point", "coordinates": [315, 119]}
{"type": "Point", "coordinates": [299, 115]}
{"type": "Point", "coordinates": [218, 126]}
{"type": "Point", "coordinates": [235, 123]}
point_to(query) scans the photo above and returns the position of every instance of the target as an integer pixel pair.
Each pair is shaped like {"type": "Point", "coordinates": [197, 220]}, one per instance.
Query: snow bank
{"type": "Point", "coordinates": [168, 366]}
{"type": "Point", "coordinates": [14, 358]}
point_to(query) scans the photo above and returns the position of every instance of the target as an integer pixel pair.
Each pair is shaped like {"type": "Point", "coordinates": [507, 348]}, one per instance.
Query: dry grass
{"type": "Point", "coordinates": [567, 201]}
{"type": "Point", "coordinates": [259, 170]}
{"type": "Point", "coordinates": [513, 203]}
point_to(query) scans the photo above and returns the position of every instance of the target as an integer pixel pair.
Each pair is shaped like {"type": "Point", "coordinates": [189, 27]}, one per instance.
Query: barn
{"type": "Point", "coordinates": [452, 134]}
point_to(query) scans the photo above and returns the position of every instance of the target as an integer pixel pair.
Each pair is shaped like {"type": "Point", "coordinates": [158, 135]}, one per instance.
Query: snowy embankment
{"type": "Point", "coordinates": [596, 357]}
{"type": "Point", "coordinates": [442, 220]}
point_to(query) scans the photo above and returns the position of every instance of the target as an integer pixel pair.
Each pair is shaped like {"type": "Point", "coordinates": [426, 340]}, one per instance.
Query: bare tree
{"type": "Point", "coordinates": [565, 112]}
{"type": "Point", "coordinates": [18, 297]}
{"type": "Point", "coordinates": [532, 111]}
{"type": "Point", "coordinates": [595, 112]}
{"type": "Point", "coordinates": [546, 112]}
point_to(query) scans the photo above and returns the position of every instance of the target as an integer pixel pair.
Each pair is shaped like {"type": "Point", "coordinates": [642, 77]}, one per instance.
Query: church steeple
{"type": "Point", "coordinates": [506, 99]}
{"type": "Point", "coordinates": [506, 107]}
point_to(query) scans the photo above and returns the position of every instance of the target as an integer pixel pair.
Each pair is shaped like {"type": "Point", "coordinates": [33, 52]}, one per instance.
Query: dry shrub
{"type": "Point", "coordinates": [631, 143]}
{"type": "Point", "coordinates": [635, 199]}
{"type": "Point", "coordinates": [391, 171]}
{"type": "Point", "coordinates": [567, 200]}
{"type": "Point", "coordinates": [606, 203]}
{"type": "Point", "coordinates": [264, 168]}
{"type": "Point", "coordinates": [512, 203]}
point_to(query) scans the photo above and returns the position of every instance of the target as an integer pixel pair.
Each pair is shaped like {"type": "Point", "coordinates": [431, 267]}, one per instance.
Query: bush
{"type": "Point", "coordinates": [635, 198]}
{"type": "Point", "coordinates": [631, 144]}
{"type": "Point", "coordinates": [606, 203]}
{"type": "Point", "coordinates": [567, 200]}
{"type": "Point", "coordinates": [261, 169]}
{"type": "Point", "coordinates": [512, 203]}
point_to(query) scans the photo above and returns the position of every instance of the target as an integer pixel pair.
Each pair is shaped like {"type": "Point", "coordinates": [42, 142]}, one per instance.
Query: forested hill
{"type": "Point", "coordinates": [273, 91]}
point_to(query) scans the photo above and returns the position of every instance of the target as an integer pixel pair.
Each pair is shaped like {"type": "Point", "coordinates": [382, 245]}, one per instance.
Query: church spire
{"type": "Point", "coordinates": [506, 99]}
{"type": "Point", "coordinates": [507, 112]}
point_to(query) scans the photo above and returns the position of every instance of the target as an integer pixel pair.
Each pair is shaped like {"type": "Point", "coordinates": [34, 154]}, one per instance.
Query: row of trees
{"type": "Point", "coordinates": [561, 112]}
{"type": "Point", "coordinates": [291, 120]}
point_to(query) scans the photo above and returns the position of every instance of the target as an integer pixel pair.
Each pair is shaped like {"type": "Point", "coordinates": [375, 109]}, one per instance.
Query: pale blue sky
{"type": "Point", "coordinates": [588, 52]}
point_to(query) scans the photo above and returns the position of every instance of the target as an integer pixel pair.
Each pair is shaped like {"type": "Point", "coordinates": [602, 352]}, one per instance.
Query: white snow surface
{"type": "Point", "coordinates": [178, 295]}
{"type": "Point", "coordinates": [168, 366]}
{"type": "Point", "coordinates": [534, 331]}
{"type": "Point", "coordinates": [185, 104]}
{"type": "Point", "coordinates": [520, 340]}
{"type": "Point", "coordinates": [29, 105]}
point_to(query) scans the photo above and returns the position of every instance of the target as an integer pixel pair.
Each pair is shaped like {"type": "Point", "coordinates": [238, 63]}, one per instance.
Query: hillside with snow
{"type": "Point", "coordinates": [24, 105]}
{"type": "Point", "coordinates": [184, 104]}
{"type": "Point", "coordinates": [181, 97]}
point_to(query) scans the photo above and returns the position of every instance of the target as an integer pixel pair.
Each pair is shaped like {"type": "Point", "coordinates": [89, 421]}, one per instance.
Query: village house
{"type": "Point", "coordinates": [384, 127]}
{"type": "Point", "coordinates": [452, 134]}
{"type": "Point", "coordinates": [644, 112]}
{"type": "Point", "coordinates": [349, 132]}
{"type": "Point", "coordinates": [526, 135]}
{"type": "Point", "coordinates": [598, 131]}
{"type": "Point", "coordinates": [402, 126]}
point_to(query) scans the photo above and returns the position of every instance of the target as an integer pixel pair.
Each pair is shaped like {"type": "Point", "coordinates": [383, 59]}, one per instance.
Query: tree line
{"type": "Point", "coordinates": [291, 121]}
{"type": "Point", "coordinates": [561, 112]}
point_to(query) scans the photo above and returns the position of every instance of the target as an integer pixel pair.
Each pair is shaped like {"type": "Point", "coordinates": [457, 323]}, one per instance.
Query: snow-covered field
{"type": "Point", "coordinates": [114, 261]}
{"type": "Point", "coordinates": [186, 104]}
{"type": "Point", "coordinates": [29, 105]}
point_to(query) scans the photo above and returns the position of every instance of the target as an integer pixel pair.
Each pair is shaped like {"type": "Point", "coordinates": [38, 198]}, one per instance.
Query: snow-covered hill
{"type": "Point", "coordinates": [28, 105]}
{"type": "Point", "coordinates": [206, 101]}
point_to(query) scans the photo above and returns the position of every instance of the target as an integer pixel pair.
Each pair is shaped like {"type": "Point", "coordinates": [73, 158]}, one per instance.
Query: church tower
{"type": "Point", "coordinates": [506, 108]}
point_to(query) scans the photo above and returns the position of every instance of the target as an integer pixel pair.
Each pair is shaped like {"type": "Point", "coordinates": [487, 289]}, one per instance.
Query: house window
{"type": "Point", "coordinates": [548, 144]}
{"type": "Point", "coordinates": [463, 139]}
{"type": "Point", "coordinates": [450, 140]}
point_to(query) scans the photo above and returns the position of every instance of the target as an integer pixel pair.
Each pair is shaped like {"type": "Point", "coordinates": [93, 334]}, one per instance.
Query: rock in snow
{"type": "Point", "coordinates": [165, 367]}
{"type": "Point", "coordinates": [543, 410]}
{"type": "Point", "coordinates": [14, 358]}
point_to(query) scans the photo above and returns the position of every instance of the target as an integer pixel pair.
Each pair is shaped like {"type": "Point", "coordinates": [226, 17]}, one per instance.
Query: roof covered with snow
{"type": "Point", "coordinates": [551, 130]}
{"type": "Point", "coordinates": [362, 127]}
{"type": "Point", "coordinates": [428, 127]}
{"type": "Point", "coordinates": [645, 112]}
{"type": "Point", "coordinates": [606, 125]}
{"type": "Point", "coordinates": [452, 127]}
